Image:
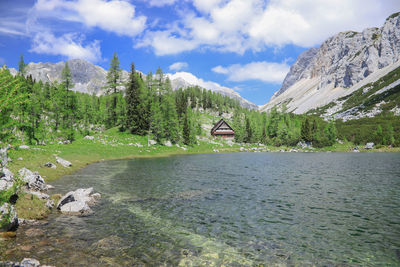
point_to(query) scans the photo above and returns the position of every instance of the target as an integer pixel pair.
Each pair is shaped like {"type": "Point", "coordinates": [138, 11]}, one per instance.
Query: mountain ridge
{"type": "Point", "coordinates": [341, 65]}
{"type": "Point", "coordinates": [90, 78]}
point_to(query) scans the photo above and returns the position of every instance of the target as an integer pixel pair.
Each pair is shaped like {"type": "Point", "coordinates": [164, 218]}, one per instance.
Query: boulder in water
{"type": "Point", "coordinates": [77, 202]}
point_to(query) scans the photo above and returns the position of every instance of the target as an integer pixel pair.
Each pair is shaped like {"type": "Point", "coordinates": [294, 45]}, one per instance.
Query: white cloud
{"type": "Point", "coordinates": [178, 66]}
{"type": "Point", "coordinates": [165, 43]}
{"type": "Point", "coordinates": [270, 72]}
{"type": "Point", "coordinates": [114, 16]}
{"type": "Point", "coordinates": [242, 25]}
{"type": "Point", "coordinates": [68, 45]}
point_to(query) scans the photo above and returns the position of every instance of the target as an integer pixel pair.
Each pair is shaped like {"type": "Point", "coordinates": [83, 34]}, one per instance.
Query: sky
{"type": "Point", "coordinates": [246, 45]}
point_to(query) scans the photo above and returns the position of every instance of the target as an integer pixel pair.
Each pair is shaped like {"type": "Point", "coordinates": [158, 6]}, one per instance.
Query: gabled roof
{"type": "Point", "coordinates": [218, 124]}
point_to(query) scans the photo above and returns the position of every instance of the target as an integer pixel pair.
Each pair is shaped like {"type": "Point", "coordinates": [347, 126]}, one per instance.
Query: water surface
{"type": "Point", "coordinates": [239, 209]}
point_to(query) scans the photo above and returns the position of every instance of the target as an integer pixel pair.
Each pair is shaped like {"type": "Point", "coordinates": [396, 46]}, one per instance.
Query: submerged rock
{"type": "Point", "coordinates": [63, 162]}
{"type": "Point", "coordinates": [8, 218]}
{"type": "Point", "coordinates": [33, 179]}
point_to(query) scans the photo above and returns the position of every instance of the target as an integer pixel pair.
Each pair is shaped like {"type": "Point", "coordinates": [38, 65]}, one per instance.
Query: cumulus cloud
{"type": "Point", "coordinates": [242, 25]}
{"type": "Point", "coordinates": [270, 72]}
{"type": "Point", "coordinates": [177, 66]}
{"type": "Point", "coordinates": [67, 45]}
{"type": "Point", "coordinates": [164, 43]}
{"type": "Point", "coordinates": [113, 16]}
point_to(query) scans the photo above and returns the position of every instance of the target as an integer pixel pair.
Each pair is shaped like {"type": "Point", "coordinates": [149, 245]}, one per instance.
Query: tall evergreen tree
{"type": "Point", "coordinates": [113, 82]}
{"type": "Point", "coordinates": [21, 66]}
{"type": "Point", "coordinates": [306, 131]}
{"type": "Point", "coordinates": [70, 103]}
{"type": "Point", "coordinates": [132, 102]}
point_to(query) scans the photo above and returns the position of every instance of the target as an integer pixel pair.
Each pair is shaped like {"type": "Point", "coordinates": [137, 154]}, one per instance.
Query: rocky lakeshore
{"type": "Point", "coordinates": [25, 200]}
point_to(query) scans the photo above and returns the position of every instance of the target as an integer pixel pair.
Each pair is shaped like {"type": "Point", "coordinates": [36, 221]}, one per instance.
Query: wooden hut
{"type": "Point", "coordinates": [222, 129]}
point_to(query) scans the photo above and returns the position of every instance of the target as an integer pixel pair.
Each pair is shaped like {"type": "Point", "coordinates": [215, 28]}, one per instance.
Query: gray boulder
{"type": "Point", "coordinates": [50, 165]}
{"type": "Point", "coordinates": [8, 218]}
{"type": "Point", "coordinates": [28, 262]}
{"type": "Point", "coordinates": [151, 142]}
{"type": "Point", "coordinates": [4, 157]}
{"type": "Point", "coordinates": [77, 202]}
{"type": "Point", "coordinates": [33, 180]}
{"type": "Point", "coordinates": [24, 147]}
{"type": "Point", "coordinates": [63, 162]}
{"type": "Point", "coordinates": [369, 146]}
{"type": "Point", "coordinates": [76, 208]}
{"type": "Point", "coordinates": [168, 143]}
{"type": "Point", "coordinates": [87, 137]}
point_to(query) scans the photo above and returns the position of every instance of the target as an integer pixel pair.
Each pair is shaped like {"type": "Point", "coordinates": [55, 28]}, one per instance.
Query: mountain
{"type": "Point", "coordinates": [186, 79]}
{"type": "Point", "coordinates": [89, 78]}
{"type": "Point", "coordinates": [343, 64]}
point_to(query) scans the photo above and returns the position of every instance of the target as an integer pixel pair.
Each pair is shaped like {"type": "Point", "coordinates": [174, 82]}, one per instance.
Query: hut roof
{"type": "Point", "coordinates": [219, 123]}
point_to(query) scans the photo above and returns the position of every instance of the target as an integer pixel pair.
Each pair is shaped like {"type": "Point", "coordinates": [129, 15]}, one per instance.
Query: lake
{"type": "Point", "coordinates": [237, 209]}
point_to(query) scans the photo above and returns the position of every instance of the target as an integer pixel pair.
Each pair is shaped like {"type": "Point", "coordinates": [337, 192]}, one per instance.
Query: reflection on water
{"type": "Point", "coordinates": [232, 209]}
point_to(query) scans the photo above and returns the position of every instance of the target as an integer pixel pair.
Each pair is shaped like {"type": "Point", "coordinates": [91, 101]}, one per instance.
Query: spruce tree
{"type": "Point", "coordinates": [306, 131]}
{"type": "Point", "coordinates": [69, 104]}
{"type": "Point", "coordinates": [21, 66]}
{"type": "Point", "coordinates": [132, 102]}
{"type": "Point", "coordinates": [113, 82]}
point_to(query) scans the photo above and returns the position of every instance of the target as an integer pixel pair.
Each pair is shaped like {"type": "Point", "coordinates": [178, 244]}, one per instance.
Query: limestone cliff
{"type": "Point", "coordinates": [342, 64]}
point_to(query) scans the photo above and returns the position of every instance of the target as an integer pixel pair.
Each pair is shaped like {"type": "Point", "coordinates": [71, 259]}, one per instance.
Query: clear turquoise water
{"type": "Point", "coordinates": [240, 209]}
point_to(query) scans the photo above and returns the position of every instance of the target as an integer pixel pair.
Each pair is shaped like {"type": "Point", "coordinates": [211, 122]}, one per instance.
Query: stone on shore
{"type": "Point", "coordinates": [6, 179]}
{"type": "Point", "coordinates": [151, 142]}
{"type": "Point", "coordinates": [4, 159]}
{"type": "Point", "coordinates": [63, 162]}
{"type": "Point", "coordinates": [50, 165]}
{"type": "Point", "coordinates": [33, 180]}
{"type": "Point", "coordinates": [8, 218]}
{"type": "Point", "coordinates": [369, 146]}
{"type": "Point", "coordinates": [28, 262]}
{"type": "Point", "coordinates": [168, 143]}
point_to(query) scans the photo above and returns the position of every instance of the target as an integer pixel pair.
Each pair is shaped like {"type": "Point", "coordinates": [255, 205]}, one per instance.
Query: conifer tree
{"type": "Point", "coordinates": [306, 131]}
{"type": "Point", "coordinates": [132, 102]}
{"type": "Point", "coordinates": [113, 82]}
{"type": "Point", "coordinates": [21, 66]}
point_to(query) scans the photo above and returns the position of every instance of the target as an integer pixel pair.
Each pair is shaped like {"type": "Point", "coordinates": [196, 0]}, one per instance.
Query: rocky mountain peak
{"type": "Point", "coordinates": [342, 61]}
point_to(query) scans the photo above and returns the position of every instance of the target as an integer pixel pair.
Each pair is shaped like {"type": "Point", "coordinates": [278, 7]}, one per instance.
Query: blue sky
{"type": "Point", "coordinates": [246, 45]}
